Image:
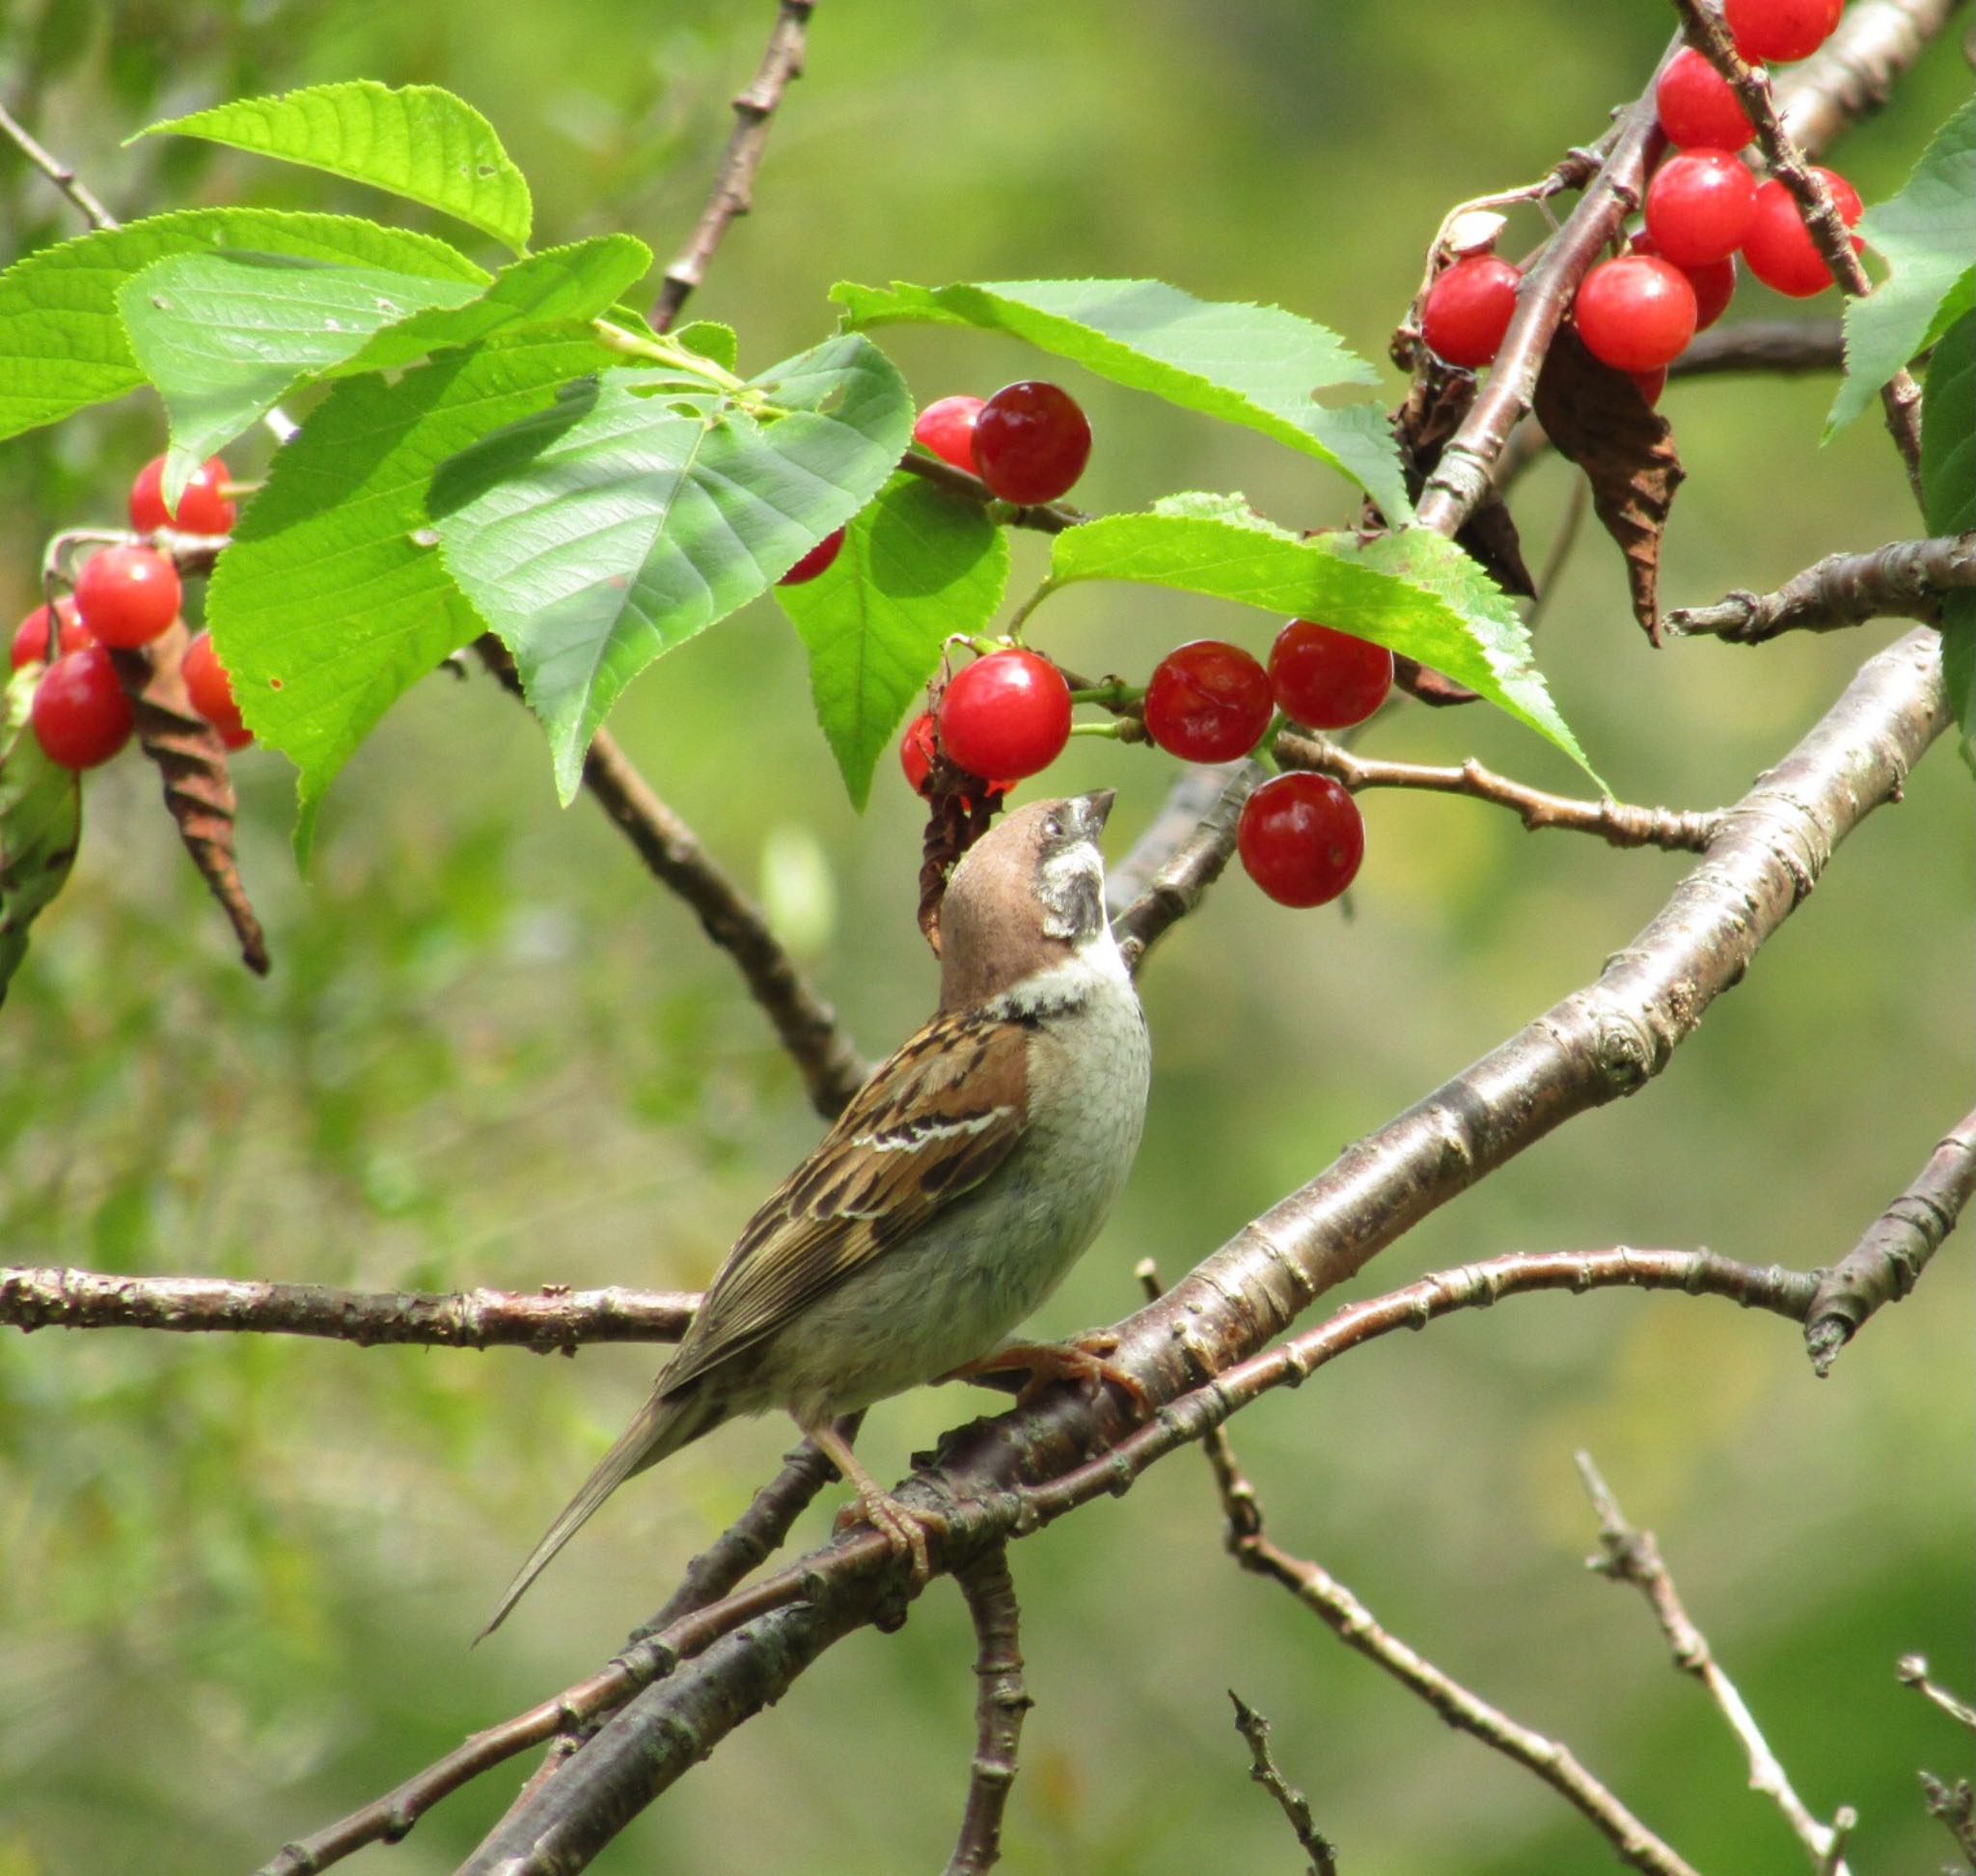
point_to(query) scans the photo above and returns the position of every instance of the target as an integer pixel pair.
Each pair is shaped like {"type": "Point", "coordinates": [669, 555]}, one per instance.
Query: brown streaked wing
{"type": "Point", "coordinates": [930, 1126]}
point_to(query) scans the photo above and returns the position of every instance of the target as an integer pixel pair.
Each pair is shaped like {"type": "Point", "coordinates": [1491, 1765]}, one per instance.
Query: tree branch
{"type": "Point", "coordinates": [999, 1708]}
{"type": "Point", "coordinates": [1773, 346]}
{"type": "Point", "coordinates": [1292, 1803]}
{"type": "Point", "coordinates": [58, 173]}
{"type": "Point", "coordinates": [1912, 1671]}
{"type": "Point", "coordinates": [1616, 822]}
{"type": "Point", "coordinates": [1632, 1557]}
{"type": "Point", "coordinates": [1046, 517]}
{"type": "Point", "coordinates": [733, 192]}
{"type": "Point", "coordinates": [1905, 579]}
{"type": "Point", "coordinates": [551, 1321]}
{"type": "Point", "coordinates": [1853, 74]}
{"type": "Point", "coordinates": [1179, 856]}
{"type": "Point", "coordinates": [1889, 1260]}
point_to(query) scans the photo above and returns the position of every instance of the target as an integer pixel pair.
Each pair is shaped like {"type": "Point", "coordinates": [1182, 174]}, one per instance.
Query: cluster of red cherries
{"type": "Point", "coordinates": [124, 597]}
{"type": "Point", "coordinates": [1008, 714]}
{"type": "Point", "coordinates": [1638, 311]}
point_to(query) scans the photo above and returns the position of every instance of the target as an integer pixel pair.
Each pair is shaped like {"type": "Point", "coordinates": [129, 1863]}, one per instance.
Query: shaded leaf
{"type": "Point", "coordinates": [1597, 419]}
{"type": "Point", "coordinates": [41, 824]}
{"type": "Point", "coordinates": [415, 141]}
{"type": "Point", "coordinates": [1948, 495]}
{"type": "Point", "coordinates": [1257, 366]}
{"type": "Point", "coordinates": [917, 566]}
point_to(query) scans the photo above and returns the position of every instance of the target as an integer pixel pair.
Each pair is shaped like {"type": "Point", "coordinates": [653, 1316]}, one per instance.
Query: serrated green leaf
{"type": "Point", "coordinates": [1922, 234]}
{"type": "Point", "coordinates": [41, 823]}
{"type": "Point", "coordinates": [1258, 365]}
{"type": "Point", "coordinates": [415, 141]}
{"type": "Point", "coordinates": [62, 339]}
{"type": "Point", "coordinates": [602, 532]}
{"type": "Point", "coordinates": [710, 338]}
{"type": "Point", "coordinates": [332, 600]}
{"type": "Point", "coordinates": [1948, 498]}
{"type": "Point", "coordinates": [917, 566]}
{"type": "Point", "coordinates": [1413, 592]}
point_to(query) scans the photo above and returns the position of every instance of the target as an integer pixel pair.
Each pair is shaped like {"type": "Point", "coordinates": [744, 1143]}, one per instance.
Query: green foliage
{"type": "Point", "coordinates": [917, 566]}
{"type": "Point", "coordinates": [62, 344]}
{"type": "Point", "coordinates": [40, 821]}
{"type": "Point", "coordinates": [598, 534]}
{"type": "Point", "coordinates": [1414, 592]}
{"type": "Point", "coordinates": [1948, 494]}
{"type": "Point", "coordinates": [332, 600]}
{"type": "Point", "coordinates": [1258, 365]}
{"type": "Point", "coordinates": [1923, 234]}
{"type": "Point", "coordinates": [416, 141]}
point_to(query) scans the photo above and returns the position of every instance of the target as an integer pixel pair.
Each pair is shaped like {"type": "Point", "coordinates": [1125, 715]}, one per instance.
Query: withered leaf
{"type": "Point", "coordinates": [1598, 419]}
{"type": "Point", "coordinates": [959, 810]}
{"type": "Point", "coordinates": [41, 823]}
{"type": "Point", "coordinates": [192, 764]}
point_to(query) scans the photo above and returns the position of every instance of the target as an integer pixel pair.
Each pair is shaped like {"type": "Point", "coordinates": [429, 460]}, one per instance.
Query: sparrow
{"type": "Point", "coordinates": [950, 1196]}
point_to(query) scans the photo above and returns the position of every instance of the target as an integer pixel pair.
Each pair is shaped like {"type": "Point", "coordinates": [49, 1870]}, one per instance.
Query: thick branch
{"type": "Point", "coordinates": [1782, 347]}
{"type": "Point", "coordinates": [1853, 74]}
{"type": "Point", "coordinates": [733, 193]}
{"type": "Point", "coordinates": [1905, 579]}
{"type": "Point", "coordinates": [1632, 1557]}
{"type": "Point", "coordinates": [1616, 822]}
{"type": "Point", "coordinates": [553, 1320]}
{"type": "Point", "coordinates": [1889, 1260]}
{"type": "Point", "coordinates": [1000, 1704]}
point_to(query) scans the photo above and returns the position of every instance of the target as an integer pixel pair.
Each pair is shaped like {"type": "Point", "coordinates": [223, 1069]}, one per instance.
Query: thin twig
{"type": "Point", "coordinates": [831, 1067]}
{"type": "Point", "coordinates": [1632, 1557]}
{"type": "Point", "coordinates": [1905, 579]}
{"type": "Point", "coordinates": [1782, 347]}
{"type": "Point", "coordinates": [1046, 517]}
{"type": "Point", "coordinates": [1180, 856]}
{"type": "Point", "coordinates": [58, 173]}
{"type": "Point", "coordinates": [549, 1321]}
{"type": "Point", "coordinates": [1912, 1671]}
{"type": "Point", "coordinates": [1241, 1509]}
{"type": "Point", "coordinates": [1889, 1260]}
{"type": "Point", "coordinates": [1616, 822]}
{"type": "Point", "coordinates": [1829, 235]}
{"type": "Point", "coordinates": [1955, 1804]}
{"type": "Point", "coordinates": [1574, 518]}
{"type": "Point", "coordinates": [1001, 1701]}
{"type": "Point", "coordinates": [1292, 1803]}
{"type": "Point", "coordinates": [734, 192]}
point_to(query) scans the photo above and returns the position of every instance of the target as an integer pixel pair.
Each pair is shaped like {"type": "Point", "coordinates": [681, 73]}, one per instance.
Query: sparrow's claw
{"type": "Point", "coordinates": [1082, 1359]}
{"type": "Point", "coordinates": [901, 1526]}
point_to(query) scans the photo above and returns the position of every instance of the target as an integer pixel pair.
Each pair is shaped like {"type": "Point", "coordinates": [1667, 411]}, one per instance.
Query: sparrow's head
{"type": "Point", "coordinates": [1028, 895]}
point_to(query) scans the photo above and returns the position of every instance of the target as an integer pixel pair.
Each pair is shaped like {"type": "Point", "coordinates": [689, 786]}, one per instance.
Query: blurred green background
{"type": "Point", "coordinates": [238, 1578]}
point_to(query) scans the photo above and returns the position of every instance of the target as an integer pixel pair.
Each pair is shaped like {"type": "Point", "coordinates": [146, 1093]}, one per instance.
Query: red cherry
{"type": "Point", "coordinates": [916, 751]}
{"type": "Point", "coordinates": [1650, 385]}
{"type": "Point", "coordinates": [1699, 206]}
{"type": "Point", "coordinates": [80, 714]}
{"type": "Point", "coordinates": [1468, 309]}
{"type": "Point", "coordinates": [1326, 678]}
{"type": "Point", "coordinates": [1006, 714]}
{"type": "Point", "coordinates": [1698, 106]}
{"type": "Point", "coordinates": [1715, 284]}
{"type": "Point", "coordinates": [211, 689]}
{"type": "Point", "coordinates": [1300, 838]}
{"type": "Point", "coordinates": [1779, 247]}
{"type": "Point", "coordinates": [201, 510]}
{"type": "Point", "coordinates": [127, 595]}
{"type": "Point", "coordinates": [1636, 312]}
{"type": "Point", "coordinates": [1780, 29]}
{"type": "Point", "coordinates": [1031, 442]}
{"type": "Point", "coordinates": [31, 635]}
{"type": "Point", "coordinates": [946, 427]}
{"type": "Point", "coordinates": [817, 560]}
{"type": "Point", "coordinates": [1208, 701]}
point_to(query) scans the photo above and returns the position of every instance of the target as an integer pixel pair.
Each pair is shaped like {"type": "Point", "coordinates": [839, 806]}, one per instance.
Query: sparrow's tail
{"type": "Point", "coordinates": [663, 1424]}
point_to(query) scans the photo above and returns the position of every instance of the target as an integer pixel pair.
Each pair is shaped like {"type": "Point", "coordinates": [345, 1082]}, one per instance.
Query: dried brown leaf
{"type": "Point", "coordinates": [961, 806]}
{"type": "Point", "coordinates": [1597, 418]}
{"type": "Point", "coordinates": [198, 790]}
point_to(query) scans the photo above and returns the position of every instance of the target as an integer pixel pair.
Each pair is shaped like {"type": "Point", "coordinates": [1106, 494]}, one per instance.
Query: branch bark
{"type": "Point", "coordinates": [1905, 579]}
{"type": "Point", "coordinates": [1000, 1704]}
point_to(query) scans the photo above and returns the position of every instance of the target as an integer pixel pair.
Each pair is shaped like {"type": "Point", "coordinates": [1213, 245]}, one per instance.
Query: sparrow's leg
{"type": "Point", "coordinates": [1081, 1359]}
{"type": "Point", "coordinates": [902, 1527]}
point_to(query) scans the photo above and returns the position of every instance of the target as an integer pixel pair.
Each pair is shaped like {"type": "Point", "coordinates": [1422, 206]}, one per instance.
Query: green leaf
{"type": "Point", "coordinates": [916, 565]}
{"type": "Point", "coordinates": [1948, 498]}
{"type": "Point", "coordinates": [1922, 234]}
{"type": "Point", "coordinates": [1413, 592]}
{"type": "Point", "coordinates": [62, 339]}
{"type": "Point", "coordinates": [418, 140]}
{"type": "Point", "coordinates": [41, 823]}
{"type": "Point", "coordinates": [1253, 364]}
{"type": "Point", "coordinates": [710, 338]}
{"type": "Point", "coordinates": [602, 532]}
{"type": "Point", "coordinates": [332, 600]}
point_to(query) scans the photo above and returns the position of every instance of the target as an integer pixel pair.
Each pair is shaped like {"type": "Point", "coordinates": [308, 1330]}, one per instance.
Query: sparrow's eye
{"type": "Point", "coordinates": [1053, 828]}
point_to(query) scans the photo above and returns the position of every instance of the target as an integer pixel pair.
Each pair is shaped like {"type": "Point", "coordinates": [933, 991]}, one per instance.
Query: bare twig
{"type": "Point", "coordinates": [1186, 856]}
{"type": "Point", "coordinates": [832, 1069]}
{"type": "Point", "coordinates": [999, 1705]}
{"type": "Point", "coordinates": [58, 173]}
{"type": "Point", "coordinates": [1955, 1804]}
{"type": "Point", "coordinates": [1889, 1260]}
{"type": "Point", "coordinates": [1632, 1557]}
{"type": "Point", "coordinates": [733, 192]}
{"type": "Point", "coordinates": [1046, 517]}
{"type": "Point", "coordinates": [1905, 579]}
{"type": "Point", "coordinates": [1262, 1768]}
{"type": "Point", "coordinates": [1912, 1671]}
{"type": "Point", "coordinates": [1778, 346]}
{"type": "Point", "coordinates": [1617, 822]}
{"type": "Point", "coordinates": [553, 1320]}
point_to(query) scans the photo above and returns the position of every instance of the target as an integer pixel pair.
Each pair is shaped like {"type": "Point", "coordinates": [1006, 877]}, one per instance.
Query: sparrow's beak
{"type": "Point", "coordinates": [1095, 806]}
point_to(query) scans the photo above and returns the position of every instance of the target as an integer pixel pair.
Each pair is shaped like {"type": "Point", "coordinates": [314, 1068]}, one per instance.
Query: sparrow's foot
{"type": "Point", "coordinates": [903, 1527]}
{"type": "Point", "coordinates": [1081, 1359]}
